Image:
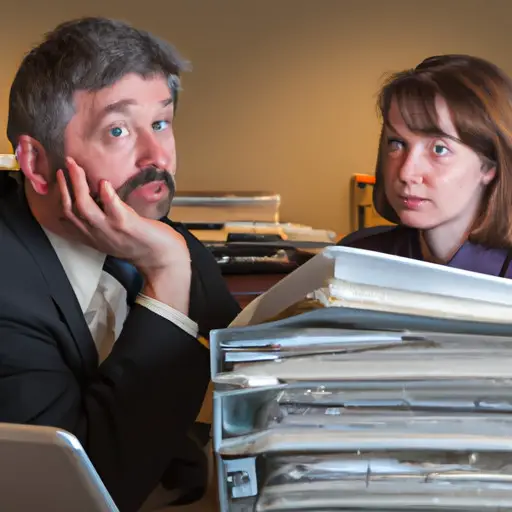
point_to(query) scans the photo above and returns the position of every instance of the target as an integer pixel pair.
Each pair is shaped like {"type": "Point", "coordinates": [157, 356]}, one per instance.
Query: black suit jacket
{"type": "Point", "coordinates": [132, 411]}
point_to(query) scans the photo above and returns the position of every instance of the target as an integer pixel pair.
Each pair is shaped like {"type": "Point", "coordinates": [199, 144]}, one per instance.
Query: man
{"type": "Point", "coordinates": [87, 343]}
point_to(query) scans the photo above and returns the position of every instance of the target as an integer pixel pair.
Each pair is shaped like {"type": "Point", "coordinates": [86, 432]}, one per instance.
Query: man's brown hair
{"type": "Point", "coordinates": [479, 97]}
{"type": "Point", "coordinates": [84, 54]}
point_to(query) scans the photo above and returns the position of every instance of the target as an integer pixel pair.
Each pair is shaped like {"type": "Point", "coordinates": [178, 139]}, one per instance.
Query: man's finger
{"type": "Point", "coordinates": [67, 204]}
{"type": "Point", "coordinates": [86, 207]}
{"type": "Point", "coordinates": [113, 207]}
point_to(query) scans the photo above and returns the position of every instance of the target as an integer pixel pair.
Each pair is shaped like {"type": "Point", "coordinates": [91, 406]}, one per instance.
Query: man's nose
{"type": "Point", "coordinates": [411, 168]}
{"type": "Point", "coordinates": [152, 152]}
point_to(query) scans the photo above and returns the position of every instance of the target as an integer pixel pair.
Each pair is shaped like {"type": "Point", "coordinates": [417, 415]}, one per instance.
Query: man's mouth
{"type": "Point", "coordinates": [151, 192]}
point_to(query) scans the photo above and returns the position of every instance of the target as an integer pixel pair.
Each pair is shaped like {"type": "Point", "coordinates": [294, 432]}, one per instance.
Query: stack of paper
{"type": "Point", "coordinates": [354, 278]}
{"type": "Point", "coordinates": [8, 163]}
{"type": "Point", "coordinates": [227, 231]}
{"type": "Point", "coordinates": [397, 395]}
{"type": "Point", "coordinates": [223, 207]}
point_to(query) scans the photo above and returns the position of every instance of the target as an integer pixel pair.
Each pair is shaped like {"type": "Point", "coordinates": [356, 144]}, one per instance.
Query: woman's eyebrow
{"type": "Point", "coordinates": [390, 129]}
{"type": "Point", "coordinates": [439, 134]}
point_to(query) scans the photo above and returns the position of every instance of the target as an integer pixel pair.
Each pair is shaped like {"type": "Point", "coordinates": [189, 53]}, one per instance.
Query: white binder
{"type": "Point", "coordinates": [379, 275]}
{"type": "Point", "coordinates": [364, 408]}
{"type": "Point", "coordinates": [404, 420]}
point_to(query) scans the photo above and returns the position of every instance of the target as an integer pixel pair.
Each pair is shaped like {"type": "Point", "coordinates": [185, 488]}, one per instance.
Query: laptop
{"type": "Point", "coordinates": [44, 468]}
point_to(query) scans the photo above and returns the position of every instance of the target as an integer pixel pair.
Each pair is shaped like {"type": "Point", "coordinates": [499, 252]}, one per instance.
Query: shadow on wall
{"type": "Point", "coordinates": [282, 94]}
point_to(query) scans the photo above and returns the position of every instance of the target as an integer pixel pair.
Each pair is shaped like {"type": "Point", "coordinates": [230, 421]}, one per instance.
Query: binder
{"type": "Point", "coordinates": [355, 408]}
{"type": "Point", "coordinates": [341, 419]}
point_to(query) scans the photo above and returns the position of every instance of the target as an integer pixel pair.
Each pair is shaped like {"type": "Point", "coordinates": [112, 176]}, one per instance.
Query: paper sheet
{"type": "Point", "coordinates": [372, 268]}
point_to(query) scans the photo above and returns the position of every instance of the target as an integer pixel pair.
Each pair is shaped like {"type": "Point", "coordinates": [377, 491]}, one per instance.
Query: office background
{"type": "Point", "coordinates": [282, 94]}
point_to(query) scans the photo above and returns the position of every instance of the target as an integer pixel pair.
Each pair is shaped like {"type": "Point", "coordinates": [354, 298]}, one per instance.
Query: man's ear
{"type": "Point", "coordinates": [33, 163]}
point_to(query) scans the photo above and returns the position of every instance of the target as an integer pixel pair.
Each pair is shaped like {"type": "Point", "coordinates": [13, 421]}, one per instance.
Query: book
{"type": "Point", "coordinates": [355, 278]}
{"type": "Point", "coordinates": [223, 207]}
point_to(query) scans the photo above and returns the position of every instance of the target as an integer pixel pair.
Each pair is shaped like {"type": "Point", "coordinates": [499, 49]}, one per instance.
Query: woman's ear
{"type": "Point", "coordinates": [488, 175]}
{"type": "Point", "coordinates": [33, 163]}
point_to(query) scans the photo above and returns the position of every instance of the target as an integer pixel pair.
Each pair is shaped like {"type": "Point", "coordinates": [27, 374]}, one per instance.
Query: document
{"type": "Point", "coordinates": [355, 278]}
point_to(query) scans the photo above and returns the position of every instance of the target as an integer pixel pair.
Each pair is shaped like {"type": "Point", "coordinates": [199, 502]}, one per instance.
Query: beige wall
{"type": "Point", "coordinates": [282, 93]}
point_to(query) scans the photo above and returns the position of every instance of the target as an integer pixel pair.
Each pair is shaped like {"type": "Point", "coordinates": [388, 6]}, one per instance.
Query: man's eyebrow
{"type": "Point", "coordinates": [122, 106]}
{"type": "Point", "coordinates": [118, 106]}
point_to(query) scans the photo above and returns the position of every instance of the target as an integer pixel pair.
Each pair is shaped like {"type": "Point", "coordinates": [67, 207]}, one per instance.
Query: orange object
{"type": "Point", "coordinates": [364, 178]}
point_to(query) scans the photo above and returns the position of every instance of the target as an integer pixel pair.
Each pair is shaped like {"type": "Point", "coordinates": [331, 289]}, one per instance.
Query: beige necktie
{"type": "Point", "coordinates": [109, 336]}
{"type": "Point", "coordinates": [106, 313]}
{"type": "Point", "coordinates": [105, 316]}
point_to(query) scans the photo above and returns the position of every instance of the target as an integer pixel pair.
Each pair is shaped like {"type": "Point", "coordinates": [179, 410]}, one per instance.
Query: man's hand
{"type": "Point", "coordinates": [156, 250]}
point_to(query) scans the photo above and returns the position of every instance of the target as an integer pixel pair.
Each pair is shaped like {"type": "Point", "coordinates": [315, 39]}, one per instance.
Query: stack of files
{"type": "Point", "coordinates": [272, 231]}
{"type": "Point", "coordinates": [221, 207]}
{"type": "Point", "coordinates": [256, 247]}
{"type": "Point", "coordinates": [359, 407]}
{"type": "Point", "coordinates": [8, 163]}
{"type": "Point", "coordinates": [348, 278]}
{"type": "Point", "coordinates": [244, 232]}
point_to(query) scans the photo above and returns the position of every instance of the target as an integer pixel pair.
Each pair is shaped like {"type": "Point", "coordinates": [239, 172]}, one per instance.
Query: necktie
{"type": "Point", "coordinates": [127, 275]}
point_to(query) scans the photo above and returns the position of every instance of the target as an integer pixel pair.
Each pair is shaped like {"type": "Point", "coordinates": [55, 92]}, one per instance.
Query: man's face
{"type": "Point", "coordinates": [123, 134]}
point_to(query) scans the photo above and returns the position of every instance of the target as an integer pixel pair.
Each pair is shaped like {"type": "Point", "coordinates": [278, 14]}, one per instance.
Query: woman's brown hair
{"type": "Point", "coordinates": [479, 96]}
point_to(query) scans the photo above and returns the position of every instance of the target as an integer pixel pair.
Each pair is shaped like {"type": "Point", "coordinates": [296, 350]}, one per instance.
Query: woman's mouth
{"type": "Point", "coordinates": [413, 202]}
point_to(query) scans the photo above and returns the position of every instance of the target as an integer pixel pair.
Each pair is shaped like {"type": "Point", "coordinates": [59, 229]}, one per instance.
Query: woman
{"type": "Point", "coordinates": [444, 167]}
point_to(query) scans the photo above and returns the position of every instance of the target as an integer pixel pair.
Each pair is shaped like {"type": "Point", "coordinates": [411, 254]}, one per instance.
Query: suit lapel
{"type": "Point", "coordinates": [17, 215]}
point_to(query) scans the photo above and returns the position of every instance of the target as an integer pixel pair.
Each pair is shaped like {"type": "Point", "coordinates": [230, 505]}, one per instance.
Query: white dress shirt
{"type": "Point", "coordinates": [102, 297]}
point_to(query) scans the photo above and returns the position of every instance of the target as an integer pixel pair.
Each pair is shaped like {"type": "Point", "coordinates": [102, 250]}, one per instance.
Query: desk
{"type": "Point", "coordinates": [246, 287]}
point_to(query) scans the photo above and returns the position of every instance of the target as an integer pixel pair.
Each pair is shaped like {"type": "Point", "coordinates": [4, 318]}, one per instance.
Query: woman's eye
{"type": "Point", "coordinates": [395, 144]}
{"type": "Point", "coordinates": [158, 126]}
{"type": "Point", "coordinates": [440, 150]}
{"type": "Point", "coordinates": [118, 131]}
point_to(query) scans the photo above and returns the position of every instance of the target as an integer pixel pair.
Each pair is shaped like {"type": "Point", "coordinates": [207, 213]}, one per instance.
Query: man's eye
{"type": "Point", "coordinates": [118, 131]}
{"type": "Point", "coordinates": [158, 126]}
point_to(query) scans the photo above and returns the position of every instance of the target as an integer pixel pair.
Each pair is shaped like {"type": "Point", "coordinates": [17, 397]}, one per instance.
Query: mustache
{"type": "Point", "coordinates": [143, 177]}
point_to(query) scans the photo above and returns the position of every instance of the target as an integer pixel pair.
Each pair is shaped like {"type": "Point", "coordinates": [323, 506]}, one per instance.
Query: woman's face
{"type": "Point", "coordinates": [429, 180]}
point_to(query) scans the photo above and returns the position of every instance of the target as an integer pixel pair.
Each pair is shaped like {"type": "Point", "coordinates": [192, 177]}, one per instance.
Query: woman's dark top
{"type": "Point", "coordinates": [405, 242]}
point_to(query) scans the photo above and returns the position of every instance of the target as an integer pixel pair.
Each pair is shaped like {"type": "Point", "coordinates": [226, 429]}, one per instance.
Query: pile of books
{"type": "Point", "coordinates": [8, 163]}
{"type": "Point", "coordinates": [365, 382]}
{"type": "Point", "coordinates": [221, 207]}
{"type": "Point", "coordinates": [245, 232]}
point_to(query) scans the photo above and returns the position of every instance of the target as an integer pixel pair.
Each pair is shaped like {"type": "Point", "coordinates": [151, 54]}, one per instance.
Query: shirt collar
{"type": "Point", "coordinates": [82, 264]}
